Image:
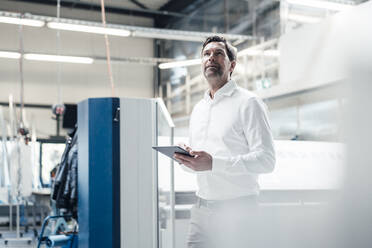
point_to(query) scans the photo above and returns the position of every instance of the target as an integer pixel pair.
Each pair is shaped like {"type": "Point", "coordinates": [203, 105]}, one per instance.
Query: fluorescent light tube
{"type": "Point", "coordinates": [246, 52]}
{"type": "Point", "coordinates": [158, 35]}
{"type": "Point", "coordinates": [255, 52]}
{"type": "Point", "coordinates": [180, 63]}
{"type": "Point", "coordinates": [321, 4]}
{"type": "Point", "coordinates": [10, 55]}
{"type": "Point", "coordinates": [58, 58]}
{"type": "Point", "coordinates": [21, 21]}
{"type": "Point", "coordinates": [88, 29]}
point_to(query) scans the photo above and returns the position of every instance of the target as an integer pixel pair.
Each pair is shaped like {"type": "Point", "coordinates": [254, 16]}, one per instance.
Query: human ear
{"type": "Point", "coordinates": [232, 66]}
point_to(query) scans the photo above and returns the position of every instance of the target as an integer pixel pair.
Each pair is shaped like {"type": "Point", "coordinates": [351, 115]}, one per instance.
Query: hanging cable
{"type": "Point", "coordinates": [21, 130]}
{"type": "Point", "coordinates": [107, 43]}
{"type": "Point", "coordinates": [58, 109]}
{"type": "Point", "coordinates": [21, 73]}
{"type": "Point", "coordinates": [59, 89]}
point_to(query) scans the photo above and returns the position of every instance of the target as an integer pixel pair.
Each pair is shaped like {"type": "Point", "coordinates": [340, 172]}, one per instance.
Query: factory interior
{"type": "Point", "coordinates": [88, 87]}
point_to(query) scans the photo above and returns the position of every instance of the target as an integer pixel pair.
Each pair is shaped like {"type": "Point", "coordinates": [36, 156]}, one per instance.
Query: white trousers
{"type": "Point", "coordinates": [227, 225]}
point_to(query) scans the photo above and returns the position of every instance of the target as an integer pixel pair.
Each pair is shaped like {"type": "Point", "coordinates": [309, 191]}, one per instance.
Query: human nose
{"type": "Point", "coordinates": [211, 57]}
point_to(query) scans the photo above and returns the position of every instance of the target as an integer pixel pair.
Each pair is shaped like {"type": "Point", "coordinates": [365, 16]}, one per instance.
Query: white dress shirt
{"type": "Point", "coordinates": [233, 127]}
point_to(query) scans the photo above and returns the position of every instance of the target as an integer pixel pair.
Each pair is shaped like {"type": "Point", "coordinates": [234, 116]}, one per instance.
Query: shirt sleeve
{"type": "Point", "coordinates": [257, 131]}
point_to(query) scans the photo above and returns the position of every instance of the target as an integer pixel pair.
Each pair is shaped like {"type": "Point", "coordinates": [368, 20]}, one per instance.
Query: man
{"type": "Point", "coordinates": [231, 144]}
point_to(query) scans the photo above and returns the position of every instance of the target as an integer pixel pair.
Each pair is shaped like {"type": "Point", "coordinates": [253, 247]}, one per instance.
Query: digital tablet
{"type": "Point", "coordinates": [171, 150]}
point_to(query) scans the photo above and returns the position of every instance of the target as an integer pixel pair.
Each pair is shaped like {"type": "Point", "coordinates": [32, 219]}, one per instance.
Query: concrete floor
{"type": "Point", "coordinates": [9, 238]}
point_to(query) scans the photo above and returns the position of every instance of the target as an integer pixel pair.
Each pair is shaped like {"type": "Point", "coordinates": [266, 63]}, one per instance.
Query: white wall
{"type": "Point", "coordinates": [313, 53]}
{"type": "Point", "coordinates": [78, 80]}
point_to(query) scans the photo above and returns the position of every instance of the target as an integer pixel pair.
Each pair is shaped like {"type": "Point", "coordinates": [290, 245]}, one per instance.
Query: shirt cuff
{"type": "Point", "coordinates": [218, 164]}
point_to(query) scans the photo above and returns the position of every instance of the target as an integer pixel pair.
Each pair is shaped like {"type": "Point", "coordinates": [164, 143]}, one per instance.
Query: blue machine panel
{"type": "Point", "coordinates": [99, 173]}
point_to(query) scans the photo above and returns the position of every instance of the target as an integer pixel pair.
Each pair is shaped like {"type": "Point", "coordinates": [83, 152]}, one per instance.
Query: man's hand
{"type": "Point", "coordinates": [201, 161]}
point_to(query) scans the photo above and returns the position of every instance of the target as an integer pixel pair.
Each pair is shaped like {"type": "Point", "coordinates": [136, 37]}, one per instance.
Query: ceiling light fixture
{"type": "Point", "coordinates": [181, 63]}
{"type": "Point", "coordinates": [255, 52]}
{"type": "Point", "coordinates": [167, 36]}
{"type": "Point", "coordinates": [21, 21]}
{"type": "Point", "coordinates": [246, 52]}
{"type": "Point", "coordinates": [9, 55]}
{"type": "Point", "coordinates": [58, 58]}
{"type": "Point", "coordinates": [89, 29]}
{"type": "Point", "coordinates": [321, 4]}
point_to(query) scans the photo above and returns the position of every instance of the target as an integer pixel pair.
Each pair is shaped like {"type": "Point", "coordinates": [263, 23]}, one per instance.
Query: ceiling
{"type": "Point", "coordinates": [160, 11]}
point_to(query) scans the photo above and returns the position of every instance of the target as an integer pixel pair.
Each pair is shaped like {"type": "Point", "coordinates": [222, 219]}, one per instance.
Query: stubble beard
{"type": "Point", "coordinates": [215, 79]}
{"type": "Point", "coordinates": [216, 74]}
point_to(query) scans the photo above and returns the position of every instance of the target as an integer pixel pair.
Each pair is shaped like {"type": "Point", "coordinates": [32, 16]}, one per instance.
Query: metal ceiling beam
{"type": "Point", "coordinates": [138, 4]}
{"type": "Point", "coordinates": [147, 13]}
{"type": "Point", "coordinates": [28, 105]}
{"type": "Point", "coordinates": [141, 32]}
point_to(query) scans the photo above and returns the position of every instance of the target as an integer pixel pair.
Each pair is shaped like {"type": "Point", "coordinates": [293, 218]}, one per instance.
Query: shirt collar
{"type": "Point", "coordinates": [226, 90]}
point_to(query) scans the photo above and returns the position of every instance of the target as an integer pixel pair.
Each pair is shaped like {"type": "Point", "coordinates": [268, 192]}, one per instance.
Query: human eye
{"type": "Point", "coordinates": [220, 53]}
